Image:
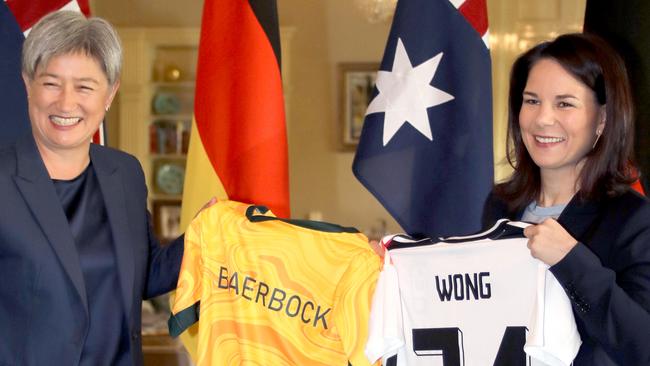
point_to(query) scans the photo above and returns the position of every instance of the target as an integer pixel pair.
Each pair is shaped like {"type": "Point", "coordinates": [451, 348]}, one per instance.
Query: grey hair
{"type": "Point", "coordinates": [66, 32]}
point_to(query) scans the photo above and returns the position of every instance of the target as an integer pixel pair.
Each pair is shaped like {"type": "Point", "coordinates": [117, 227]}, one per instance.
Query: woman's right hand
{"type": "Point", "coordinates": [211, 202]}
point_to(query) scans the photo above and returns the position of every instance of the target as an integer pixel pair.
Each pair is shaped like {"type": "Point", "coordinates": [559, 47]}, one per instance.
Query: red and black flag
{"type": "Point", "coordinates": [626, 25]}
{"type": "Point", "coordinates": [238, 139]}
{"type": "Point", "coordinates": [238, 147]}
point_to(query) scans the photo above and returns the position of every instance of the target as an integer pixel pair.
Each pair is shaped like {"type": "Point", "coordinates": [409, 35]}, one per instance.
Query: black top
{"type": "Point", "coordinates": [107, 341]}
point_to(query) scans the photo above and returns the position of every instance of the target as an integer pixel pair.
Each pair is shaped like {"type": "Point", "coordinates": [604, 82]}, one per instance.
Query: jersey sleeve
{"type": "Point", "coordinates": [385, 329]}
{"type": "Point", "coordinates": [553, 337]}
{"type": "Point", "coordinates": [351, 309]}
{"type": "Point", "coordinates": [186, 304]}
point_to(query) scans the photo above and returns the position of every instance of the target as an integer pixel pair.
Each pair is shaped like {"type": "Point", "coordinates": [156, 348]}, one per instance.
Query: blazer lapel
{"type": "Point", "coordinates": [111, 184]}
{"type": "Point", "coordinates": [579, 217]}
{"type": "Point", "coordinates": [37, 190]}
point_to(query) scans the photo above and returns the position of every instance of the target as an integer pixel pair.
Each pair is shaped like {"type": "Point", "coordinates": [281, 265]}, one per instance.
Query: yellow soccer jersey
{"type": "Point", "coordinates": [269, 291]}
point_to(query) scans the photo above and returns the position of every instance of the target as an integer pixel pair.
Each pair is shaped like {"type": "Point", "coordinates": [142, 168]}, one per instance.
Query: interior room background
{"type": "Point", "coordinates": [317, 37]}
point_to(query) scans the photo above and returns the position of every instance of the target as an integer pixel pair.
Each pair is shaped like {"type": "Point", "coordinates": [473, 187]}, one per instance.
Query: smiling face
{"type": "Point", "coordinates": [67, 102]}
{"type": "Point", "coordinates": [559, 118]}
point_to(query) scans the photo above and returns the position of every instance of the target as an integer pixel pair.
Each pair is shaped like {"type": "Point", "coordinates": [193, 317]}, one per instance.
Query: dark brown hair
{"type": "Point", "coordinates": [607, 169]}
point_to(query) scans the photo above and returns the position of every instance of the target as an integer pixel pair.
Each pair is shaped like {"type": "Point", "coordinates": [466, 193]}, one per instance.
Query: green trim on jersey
{"type": "Point", "coordinates": [309, 224]}
{"type": "Point", "coordinates": [184, 319]}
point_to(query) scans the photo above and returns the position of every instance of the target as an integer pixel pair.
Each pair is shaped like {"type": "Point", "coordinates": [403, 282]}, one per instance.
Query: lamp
{"type": "Point", "coordinates": [376, 11]}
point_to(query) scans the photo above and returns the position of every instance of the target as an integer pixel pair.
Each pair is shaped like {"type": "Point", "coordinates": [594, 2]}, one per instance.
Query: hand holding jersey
{"type": "Point", "coordinates": [548, 241]}
{"type": "Point", "coordinates": [472, 300]}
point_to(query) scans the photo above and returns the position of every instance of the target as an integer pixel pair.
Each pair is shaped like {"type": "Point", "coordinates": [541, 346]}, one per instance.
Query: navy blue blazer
{"type": "Point", "coordinates": [606, 275]}
{"type": "Point", "coordinates": [43, 305]}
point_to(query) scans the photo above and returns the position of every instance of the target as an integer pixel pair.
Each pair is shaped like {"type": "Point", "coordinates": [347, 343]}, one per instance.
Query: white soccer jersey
{"type": "Point", "coordinates": [470, 301]}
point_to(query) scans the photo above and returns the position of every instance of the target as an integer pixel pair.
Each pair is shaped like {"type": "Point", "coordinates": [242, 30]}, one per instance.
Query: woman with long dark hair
{"type": "Point", "coordinates": [570, 143]}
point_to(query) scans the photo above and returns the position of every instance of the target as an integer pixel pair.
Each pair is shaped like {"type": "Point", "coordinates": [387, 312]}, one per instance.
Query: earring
{"type": "Point", "coordinates": [598, 133]}
{"type": "Point", "coordinates": [107, 108]}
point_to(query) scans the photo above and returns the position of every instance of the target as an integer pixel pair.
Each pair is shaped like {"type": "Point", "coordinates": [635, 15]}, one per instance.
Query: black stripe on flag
{"type": "Point", "coordinates": [266, 12]}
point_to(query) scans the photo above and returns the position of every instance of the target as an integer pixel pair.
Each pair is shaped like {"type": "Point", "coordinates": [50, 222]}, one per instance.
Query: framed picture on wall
{"type": "Point", "coordinates": [356, 86]}
{"type": "Point", "coordinates": [167, 219]}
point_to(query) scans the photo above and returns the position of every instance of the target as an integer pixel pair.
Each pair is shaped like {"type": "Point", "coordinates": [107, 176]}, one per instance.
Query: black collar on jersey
{"type": "Point", "coordinates": [501, 230]}
{"type": "Point", "coordinates": [309, 224]}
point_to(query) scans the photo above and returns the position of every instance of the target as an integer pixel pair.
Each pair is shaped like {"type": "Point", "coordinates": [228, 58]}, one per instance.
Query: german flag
{"type": "Point", "coordinates": [238, 145]}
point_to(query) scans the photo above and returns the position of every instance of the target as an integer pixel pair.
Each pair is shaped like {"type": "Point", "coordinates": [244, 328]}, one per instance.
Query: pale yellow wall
{"type": "Point", "coordinates": [149, 13]}
{"type": "Point", "coordinates": [515, 26]}
{"type": "Point", "coordinates": [325, 33]}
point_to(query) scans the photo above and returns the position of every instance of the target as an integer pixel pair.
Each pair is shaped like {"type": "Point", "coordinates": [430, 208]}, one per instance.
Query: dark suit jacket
{"type": "Point", "coordinates": [606, 276]}
{"type": "Point", "coordinates": [43, 305]}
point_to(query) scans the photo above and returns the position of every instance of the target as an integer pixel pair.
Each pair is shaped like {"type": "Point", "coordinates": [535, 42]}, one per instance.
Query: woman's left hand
{"type": "Point", "coordinates": [377, 247]}
{"type": "Point", "coordinates": [549, 241]}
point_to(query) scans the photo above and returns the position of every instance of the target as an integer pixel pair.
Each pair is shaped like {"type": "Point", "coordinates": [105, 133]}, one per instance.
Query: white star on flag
{"type": "Point", "coordinates": [405, 93]}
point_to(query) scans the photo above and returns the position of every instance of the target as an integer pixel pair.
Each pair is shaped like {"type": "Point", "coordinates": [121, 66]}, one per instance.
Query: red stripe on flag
{"type": "Point", "coordinates": [475, 11]}
{"type": "Point", "coordinates": [99, 136]}
{"type": "Point", "coordinates": [636, 185]}
{"type": "Point", "coordinates": [28, 12]}
{"type": "Point", "coordinates": [239, 106]}
{"type": "Point", "coordinates": [84, 6]}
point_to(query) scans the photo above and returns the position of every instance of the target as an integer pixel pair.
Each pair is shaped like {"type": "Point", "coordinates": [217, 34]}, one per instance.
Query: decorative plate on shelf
{"type": "Point", "coordinates": [169, 178]}
{"type": "Point", "coordinates": [166, 103]}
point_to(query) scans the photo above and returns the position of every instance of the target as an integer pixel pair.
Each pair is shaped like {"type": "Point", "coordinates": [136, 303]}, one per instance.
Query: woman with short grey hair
{"type": "Point", "coordinates": [77, 253]}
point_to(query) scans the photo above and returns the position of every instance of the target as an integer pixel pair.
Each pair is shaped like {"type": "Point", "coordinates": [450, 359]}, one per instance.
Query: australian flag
{"type": "Point", "coordinates": [425, 150]}
{"type": "Point", "coordinates": [13, 97]}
